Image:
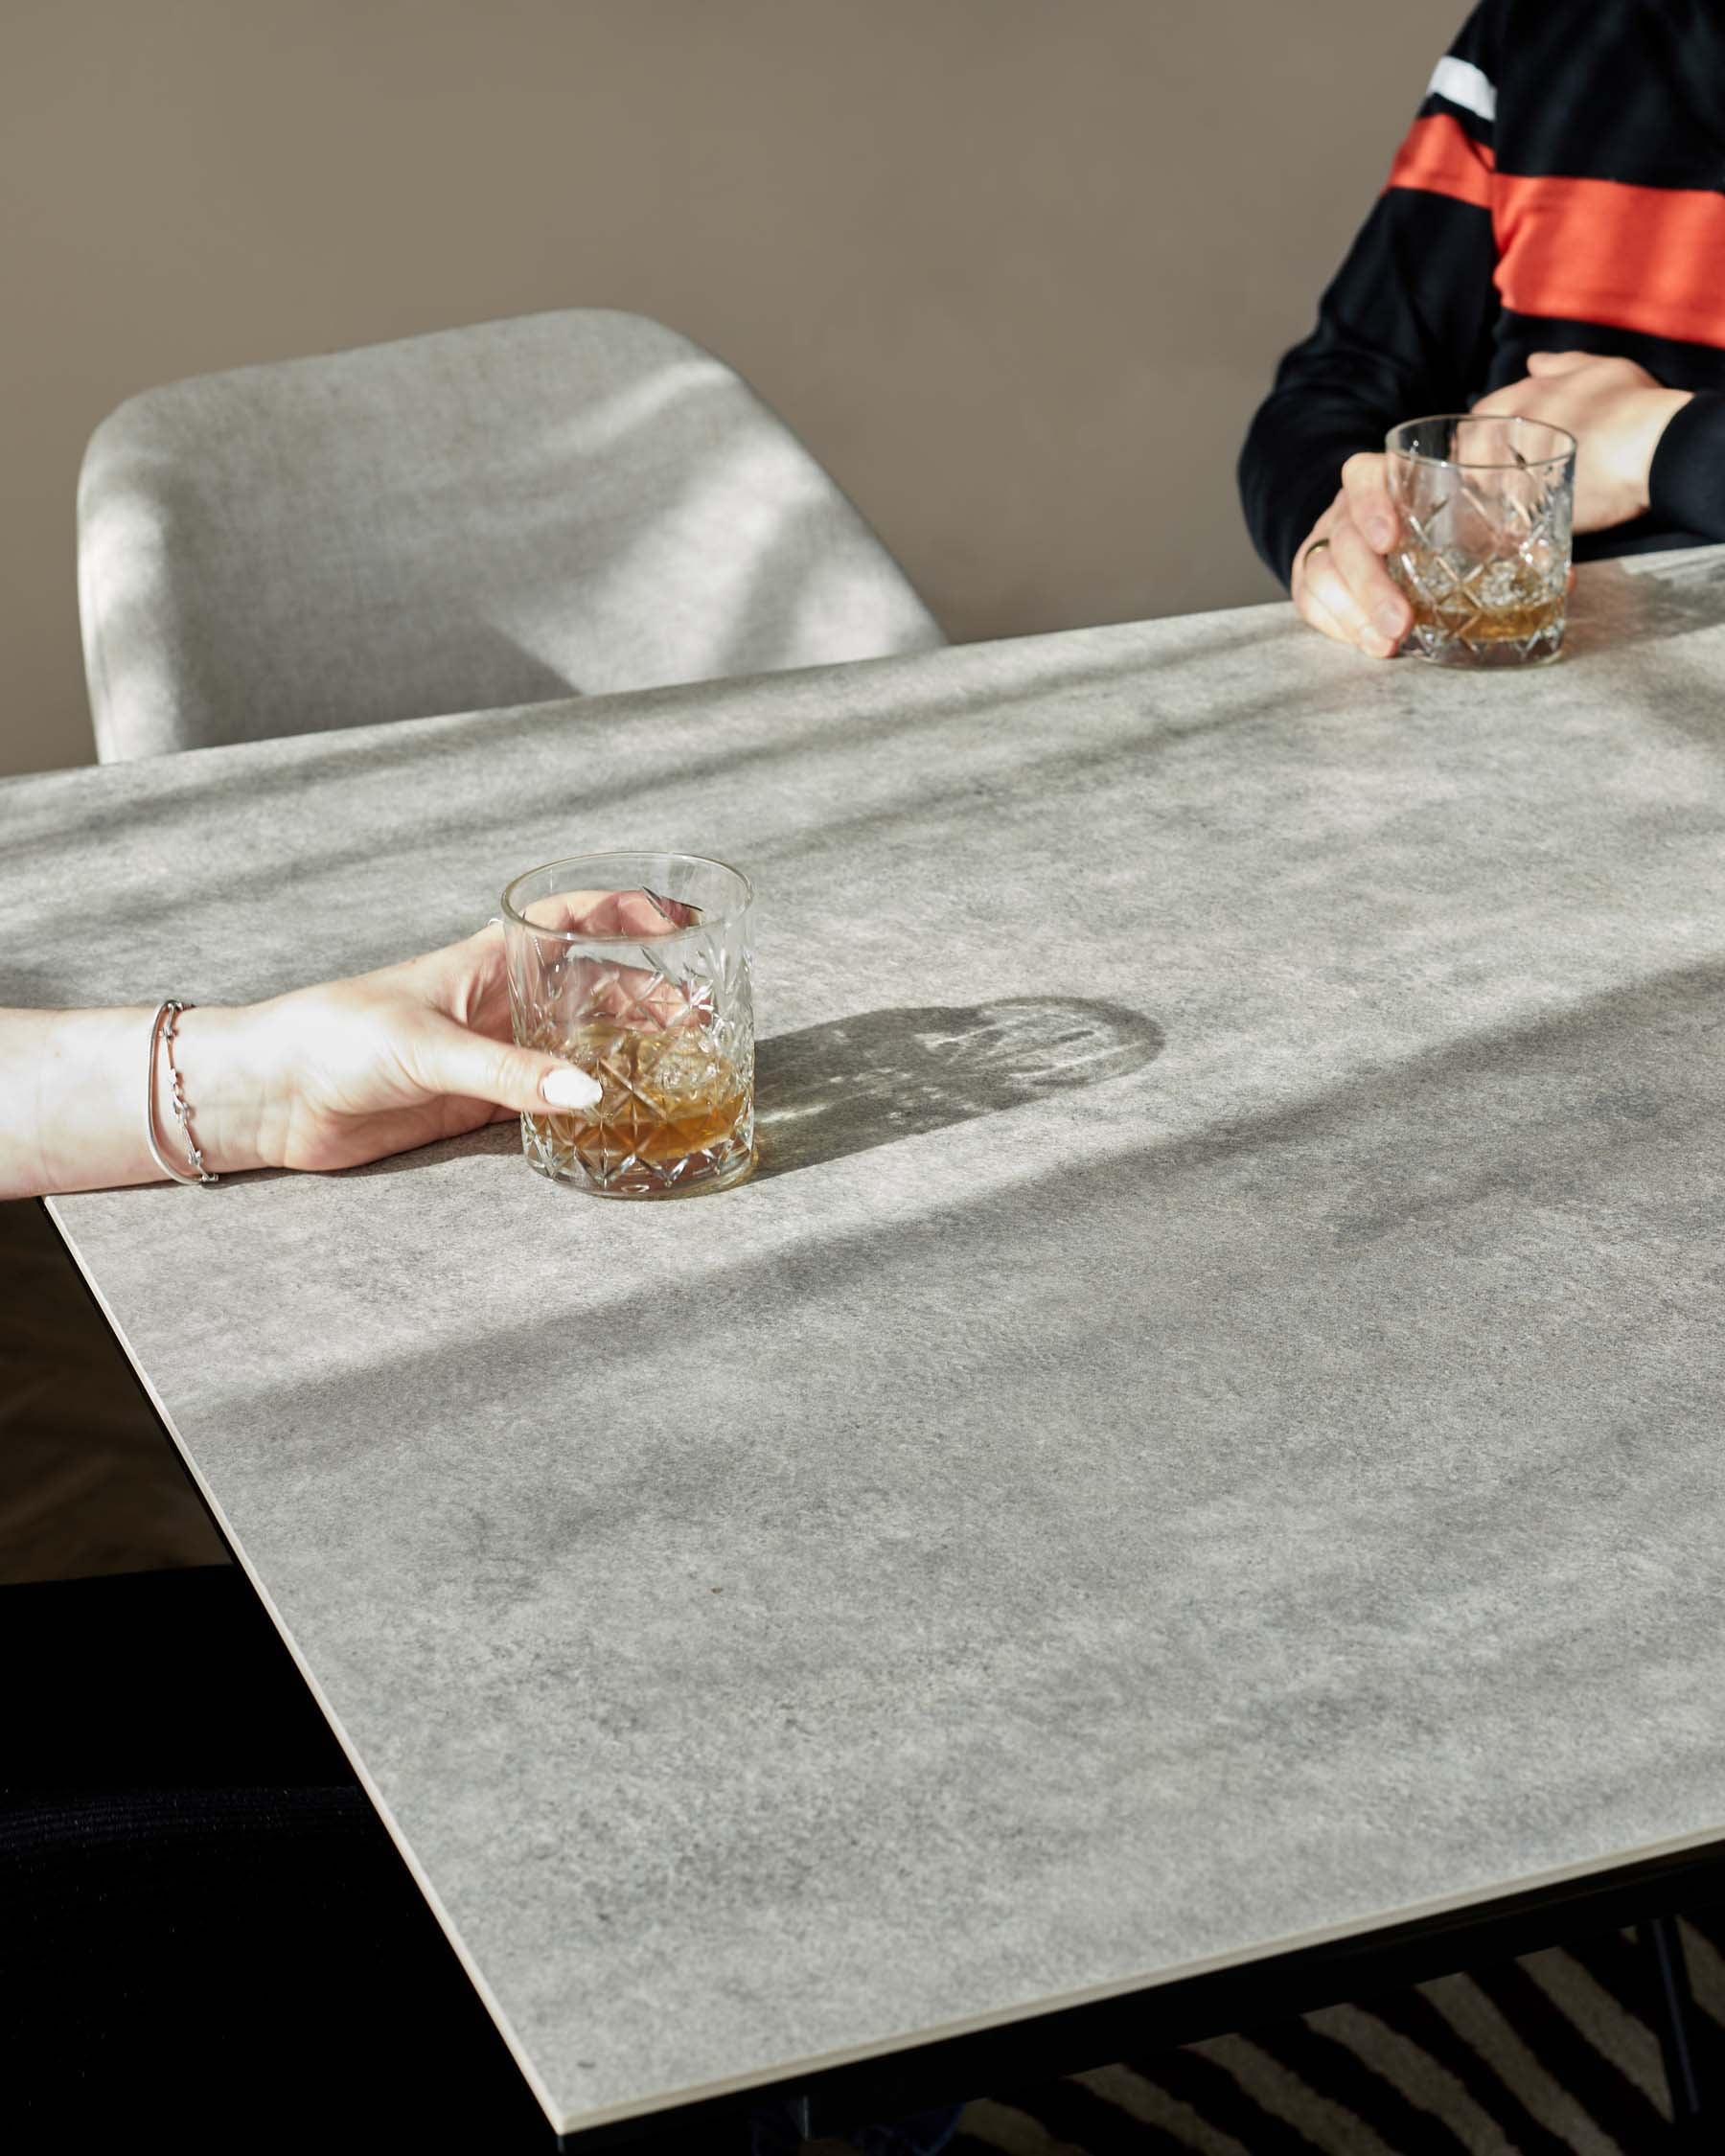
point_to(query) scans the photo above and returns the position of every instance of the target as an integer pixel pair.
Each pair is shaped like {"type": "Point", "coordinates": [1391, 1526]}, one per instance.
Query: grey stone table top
{"type": "Point", "coordinates": [1203, 1434]}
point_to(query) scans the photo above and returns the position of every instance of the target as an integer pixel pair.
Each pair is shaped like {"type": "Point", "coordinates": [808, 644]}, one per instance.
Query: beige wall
{"type": "Point", "coordinates": [1016, 269]}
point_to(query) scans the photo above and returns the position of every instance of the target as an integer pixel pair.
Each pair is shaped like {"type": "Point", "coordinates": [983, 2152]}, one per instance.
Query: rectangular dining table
{"type": "Point", "coordinates": [1198, 1446]}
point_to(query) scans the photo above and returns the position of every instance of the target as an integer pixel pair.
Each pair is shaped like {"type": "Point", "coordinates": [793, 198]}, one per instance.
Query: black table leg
{"type": "Point", "coordinates": [1678, 2035]}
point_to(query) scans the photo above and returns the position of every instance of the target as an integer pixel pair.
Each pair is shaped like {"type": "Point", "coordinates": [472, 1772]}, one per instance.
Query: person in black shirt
{"type": "Point", "coordinates": [1550, 244]}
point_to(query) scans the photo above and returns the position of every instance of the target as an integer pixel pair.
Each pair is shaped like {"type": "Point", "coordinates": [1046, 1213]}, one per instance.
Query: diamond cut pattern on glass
{"type": "Point", "coordinates": [666, 1026]}
{"type": "Point", "coordinates": [1484, 556]}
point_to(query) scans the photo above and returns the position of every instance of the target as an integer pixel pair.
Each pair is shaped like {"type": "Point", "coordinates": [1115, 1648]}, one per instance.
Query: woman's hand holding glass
{"type": "Point", "coordinates": [322, 1078]}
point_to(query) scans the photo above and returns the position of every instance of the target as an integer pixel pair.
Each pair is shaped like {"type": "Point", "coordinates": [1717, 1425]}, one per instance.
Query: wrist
{"type": "Point", "coordinates": [1688, 479]}
{"type": "Point", "coordinates": [225, 1075]}
{"type": "Point", "coordinates": [1658, 409]}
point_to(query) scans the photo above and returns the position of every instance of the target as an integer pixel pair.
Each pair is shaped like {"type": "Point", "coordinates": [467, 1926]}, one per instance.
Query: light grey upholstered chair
{"type": "Point", "coordinates": [571, 502]}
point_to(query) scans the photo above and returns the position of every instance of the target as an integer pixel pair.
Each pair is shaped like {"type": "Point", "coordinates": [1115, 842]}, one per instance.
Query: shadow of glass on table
{"type": "Point", "coordinates": [852, 1084]}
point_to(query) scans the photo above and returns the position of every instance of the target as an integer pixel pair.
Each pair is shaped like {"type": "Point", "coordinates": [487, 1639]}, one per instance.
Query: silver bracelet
{"type": "Point", "coordinates": [162, 1029]}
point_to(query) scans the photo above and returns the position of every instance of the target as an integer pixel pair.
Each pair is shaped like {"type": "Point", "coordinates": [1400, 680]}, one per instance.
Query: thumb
{"type": "Point", "coordinates": [1557, 362]}
{"type": "Point", "coordinates": [450, 1058]}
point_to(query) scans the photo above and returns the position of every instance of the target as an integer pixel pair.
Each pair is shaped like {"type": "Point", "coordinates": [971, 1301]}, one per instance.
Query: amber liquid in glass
{"type": "Point", "coordinates": [1507, 604]}
{"type": "Point", "coordinates": [669, 1098]}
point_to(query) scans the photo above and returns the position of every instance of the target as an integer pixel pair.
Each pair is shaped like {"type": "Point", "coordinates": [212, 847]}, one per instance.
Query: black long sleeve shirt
{"type": "Point", "coordinates": [1561, 189]}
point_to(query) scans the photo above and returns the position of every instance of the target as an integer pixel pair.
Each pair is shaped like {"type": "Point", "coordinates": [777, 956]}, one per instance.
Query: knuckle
{"type": "Point", "coordinates": [1364, 567]}
{"type": "Point", "coordinates": [513, 1070]}
{"type": "Point", "coordinates": [1347, 537]}
{"type": "Point", "coordinates": [1359, 564]}
{"type": "Point", "coordinates": [1340, 604]}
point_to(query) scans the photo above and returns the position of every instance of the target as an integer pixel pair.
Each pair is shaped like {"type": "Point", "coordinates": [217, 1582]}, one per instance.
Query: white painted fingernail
{"type": "Point", "coordinates": [565, 1087]}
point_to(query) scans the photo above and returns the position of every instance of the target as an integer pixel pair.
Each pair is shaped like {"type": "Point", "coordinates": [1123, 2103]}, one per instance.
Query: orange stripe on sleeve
{"type": "Point", "coordinates": [1440, 157]}
{"type": "Point", "coordinates": [1634, 258]}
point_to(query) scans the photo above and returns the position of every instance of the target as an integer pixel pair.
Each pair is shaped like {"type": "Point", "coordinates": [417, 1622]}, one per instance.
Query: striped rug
{"type": "Point", "coordinates": [1555, 2054]}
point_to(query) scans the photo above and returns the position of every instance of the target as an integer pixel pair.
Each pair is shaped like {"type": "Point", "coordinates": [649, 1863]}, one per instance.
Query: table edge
{"type": "Point", "coordinates": [790, 2070]}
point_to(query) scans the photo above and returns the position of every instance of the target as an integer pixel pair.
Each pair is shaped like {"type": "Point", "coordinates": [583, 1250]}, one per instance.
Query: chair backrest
{"type": "Point", "coordinates": [567, 503]}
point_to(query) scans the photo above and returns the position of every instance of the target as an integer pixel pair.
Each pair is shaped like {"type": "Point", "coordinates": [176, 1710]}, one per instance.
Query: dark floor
{"type": "Point", "coordinates": [88, 1481]}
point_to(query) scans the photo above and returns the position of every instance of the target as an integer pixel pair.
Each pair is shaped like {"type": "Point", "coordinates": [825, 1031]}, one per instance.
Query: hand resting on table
{"type": "Point", "coordinates": [322, 1078]}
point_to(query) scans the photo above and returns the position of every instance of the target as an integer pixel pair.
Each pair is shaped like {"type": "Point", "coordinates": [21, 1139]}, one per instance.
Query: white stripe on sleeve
{"type": "Point", "coordinates": [1461, 83]}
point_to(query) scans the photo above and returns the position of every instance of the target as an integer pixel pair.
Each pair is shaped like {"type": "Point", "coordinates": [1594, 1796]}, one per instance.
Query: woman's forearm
{"type": "Point", "coordinates": [72, 1096]}
{"type": "Point", "coordinates": [320, 1078]}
